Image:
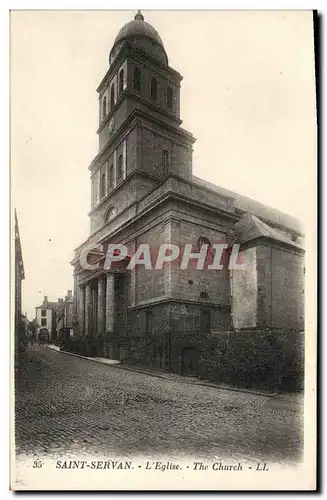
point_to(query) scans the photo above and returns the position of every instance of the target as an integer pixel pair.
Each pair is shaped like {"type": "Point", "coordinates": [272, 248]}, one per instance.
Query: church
{"type": "Point", "coordinates": [236, 325]}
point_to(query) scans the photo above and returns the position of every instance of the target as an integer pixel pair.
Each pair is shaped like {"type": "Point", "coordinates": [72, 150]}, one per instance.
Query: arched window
{"type": "Point", "coordinates": [203, 241]}
{"type": "Point", "coordinates": [165, 161]}
{"type": "Point", "coordinates": [154, 89]}
{"type": "Point", "coordinates": [203, 295]}
{"type": "Point", "coordinates": [121, 81]}
{"type": "Point", "coordinates": [120, 168]}
{"type": "Point", "coordinates": [137, 79]}
{"type": "Point", "coordinates": [103, 185]}
{"type": "Point", "coordinates": [169, 97]}
{"type": "Point", "coordinates": [110, 213]}
{"type": "Point", "coordinates": [104, 107]}
{"type": "Point", "coordinates": [112, 96]}
{"type": "Point", "coordinates": [111, 176]}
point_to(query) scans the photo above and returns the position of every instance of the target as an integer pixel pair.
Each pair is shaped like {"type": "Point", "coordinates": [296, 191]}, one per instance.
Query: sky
{"type": "Point", "coordinates": [248, 97]}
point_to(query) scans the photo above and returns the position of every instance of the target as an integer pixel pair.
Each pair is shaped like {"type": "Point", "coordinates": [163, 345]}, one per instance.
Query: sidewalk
{"type": "Point", "coordinates": [117, 364]}
{"type": "Point", "coordinates": [284, 402]}
{"type": "Point", "coordinates": [103, 361]}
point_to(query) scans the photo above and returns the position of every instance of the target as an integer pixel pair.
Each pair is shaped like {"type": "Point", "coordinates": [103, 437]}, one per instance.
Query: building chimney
{"type": "Point", "coordinates": [45, 299]}
{"type": "Point", "coordinates": [69, 294]}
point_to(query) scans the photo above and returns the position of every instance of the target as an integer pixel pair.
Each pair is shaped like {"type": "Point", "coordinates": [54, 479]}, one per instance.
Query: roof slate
{"type": "Point", "coordinates": [254, 207]}
{"type": "Point", "coordinates": [251, 227]}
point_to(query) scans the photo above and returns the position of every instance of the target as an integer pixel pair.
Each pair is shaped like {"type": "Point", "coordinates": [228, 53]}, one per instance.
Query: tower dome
{"type": "Point", "coordinates": [141, 35]}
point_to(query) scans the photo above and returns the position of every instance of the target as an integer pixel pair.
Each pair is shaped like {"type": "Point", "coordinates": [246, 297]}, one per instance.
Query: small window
{"type": "Point", "coordinates": [169, 97]}
{"type": "Point", "coordinates": [203, 295]}
{"type": "Point", "coordinates": [154, 89]}
{"type": "Point", "coordinates": [43, 322]}
{"type": "Point", "coordinates": [203, 241]}
{"type": "Point", "coordinates": [120, 168]}
{"type": "Point", "coordinates": [112, 96]}
{"type": "Point", "coordinates": [165, 161]}
{"type": "Point", "coordinates": [121, 81]}
{"type": "Point", "coordinates": [103, 185]}
{"type": "Point", "coordinates": [137, 79]}
{"type": "Point", "coordinates": [110, 214]}
{"type": "Point", "coordinates": [43, 312]}
{"type": "Point", "coordinates": [111, 176]}
{"type": "Point", "coordinates": [104, 107]}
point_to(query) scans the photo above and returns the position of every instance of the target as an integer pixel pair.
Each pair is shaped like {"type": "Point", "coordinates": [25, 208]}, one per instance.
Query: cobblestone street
{"type": "Point", "coordinates": [65, 404]}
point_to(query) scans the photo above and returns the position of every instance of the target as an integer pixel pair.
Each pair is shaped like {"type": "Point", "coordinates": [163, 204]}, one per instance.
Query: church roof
{"type": "Point", "coordinates": [49, 305]}
{"type": "Point", "coordinates": [245, 204]}
{"type": "Point", "coordinates": [250, 227]}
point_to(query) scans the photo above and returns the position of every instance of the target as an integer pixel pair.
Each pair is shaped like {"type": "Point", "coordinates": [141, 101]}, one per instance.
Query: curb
{"type": "Point", "coordinates": [202, 384]}
{"type": "Point", "coordinates": [83, 357]}
{"type": "Point", "coordinates": [237, 389]}
{"type": "Point", "coordinates": [151, 374]}
{"type": "Point", "coordinates": [158, 375]}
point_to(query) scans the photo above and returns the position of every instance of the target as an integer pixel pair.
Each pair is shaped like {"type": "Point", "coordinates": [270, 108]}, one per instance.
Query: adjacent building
{"type": "Point", "coordinates": [144, 192]}
{"type": "Point", "coordinates": [56, 317]}
{"type": "Point", "coordinates": [46, 317]}
{"type": "Point", "coordinates": [65, 316]}
{"type": "Point", "coordinates": [25, 325]}
{"type": "Point", "coordinates": [19, 277]}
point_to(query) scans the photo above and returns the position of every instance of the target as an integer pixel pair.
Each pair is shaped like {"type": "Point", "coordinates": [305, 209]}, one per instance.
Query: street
{"type": "Point", "coordinates": [65, 404]}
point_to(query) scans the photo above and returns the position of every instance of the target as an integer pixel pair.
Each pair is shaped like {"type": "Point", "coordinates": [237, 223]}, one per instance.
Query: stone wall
{"type": "Point", "coordinates": [120, 199]}
{"type": "Point", "coordinates": [244, 291]}
{"type": "Point", "coordinates": [287, 289]}
{"type": "Point", "coordinates": [271, 360]}
{"type": "Point", "coordinates": [280, 287]}
{"type": "Point", "coordinates": [150, 283]}
{"type": "Point", "coordinates": [190, 282]}
{"type": "Point", "coordinates": [168, 315]}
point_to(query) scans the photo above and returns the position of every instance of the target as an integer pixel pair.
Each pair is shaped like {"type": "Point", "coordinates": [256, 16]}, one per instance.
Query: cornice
{"type": "Point", "coordinates": [129, 177]}
{"type": "Point", "coordinates": [134, 95]}
{"type": "Point", "coordinates": [128, 51]}
{"type": "Point", "coordinates": [130, 121]}
{"type": "Point", "coordinates": [169, 194]}
{"type": "Point", "coordinates": [170, 298]}
{"type": "Point", "coordinates": [272, 243]}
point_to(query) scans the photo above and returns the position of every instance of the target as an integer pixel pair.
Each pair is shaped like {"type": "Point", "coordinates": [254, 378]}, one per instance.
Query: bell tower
{"type": "Point", "coordinates": [141, 140]}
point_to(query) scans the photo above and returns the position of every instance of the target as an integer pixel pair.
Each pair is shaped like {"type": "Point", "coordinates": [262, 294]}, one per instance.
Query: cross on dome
{"type": "Point", "coordinates": [139, 16]}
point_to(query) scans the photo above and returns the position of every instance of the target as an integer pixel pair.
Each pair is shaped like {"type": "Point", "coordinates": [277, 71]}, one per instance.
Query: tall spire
{"type": "Point", "coordinates": [139, 16]}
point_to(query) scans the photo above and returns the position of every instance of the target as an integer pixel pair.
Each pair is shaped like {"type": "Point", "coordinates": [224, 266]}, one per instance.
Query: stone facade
{"type": "Point", "coordinates": [49, 316]}
{"type": "Point", "coordinates": [144, 192]}
{"type": "Point", "coordinates": [19, 277]}
{"type": "Point", "coordinates": [65, 316]}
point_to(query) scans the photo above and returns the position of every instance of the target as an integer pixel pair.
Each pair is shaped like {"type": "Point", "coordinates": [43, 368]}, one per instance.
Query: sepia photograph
{"type": "Point", "coordinates": [163, 249]}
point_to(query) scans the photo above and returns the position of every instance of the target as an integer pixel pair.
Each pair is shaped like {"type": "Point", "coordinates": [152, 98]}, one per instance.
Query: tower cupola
{"type": "Point", "coordinates": [141, 35]}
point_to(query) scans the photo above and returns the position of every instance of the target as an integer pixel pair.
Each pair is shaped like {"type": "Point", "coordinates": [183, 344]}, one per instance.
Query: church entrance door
{"type": "Point", "coordinates": [189, 361]}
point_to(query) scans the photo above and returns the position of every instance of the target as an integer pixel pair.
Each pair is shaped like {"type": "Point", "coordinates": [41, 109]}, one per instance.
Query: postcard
{"type": "Point", "coordinates": [163, 188]}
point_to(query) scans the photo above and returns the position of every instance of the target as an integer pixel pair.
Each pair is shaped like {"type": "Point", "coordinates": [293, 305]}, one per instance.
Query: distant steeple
{"type": "Point", "coordinates": [139, 16]}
